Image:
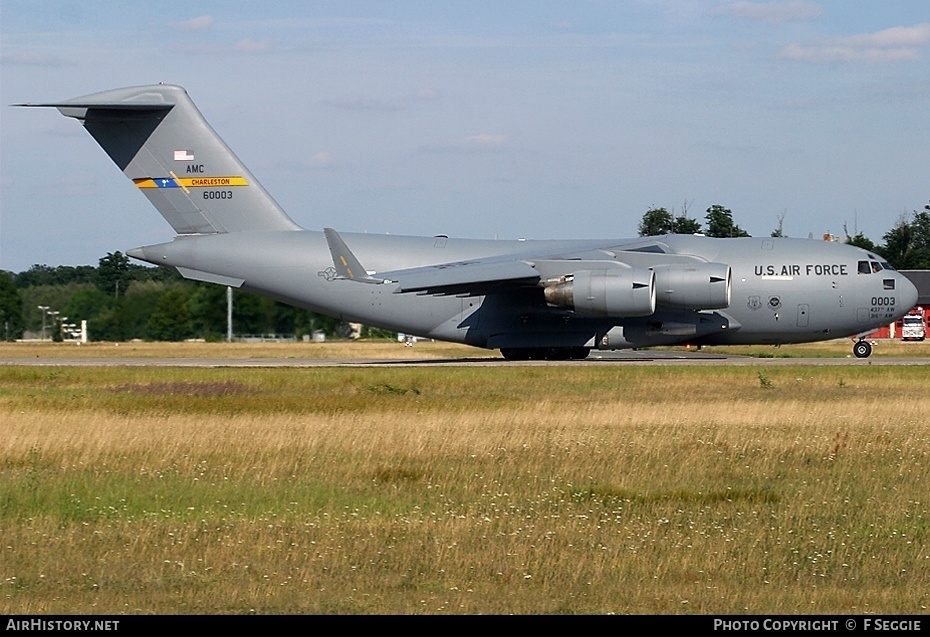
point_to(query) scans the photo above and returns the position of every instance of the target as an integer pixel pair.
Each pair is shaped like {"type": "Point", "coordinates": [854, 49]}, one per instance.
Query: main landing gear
{"type": "Point", "coordinates": [862, 349]}
{"type": "Point", "coordinates": [544, 353]}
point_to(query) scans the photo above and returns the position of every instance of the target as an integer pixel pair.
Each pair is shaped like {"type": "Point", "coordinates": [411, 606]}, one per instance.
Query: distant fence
{"type": "Point", "coordinates": [265, 338]}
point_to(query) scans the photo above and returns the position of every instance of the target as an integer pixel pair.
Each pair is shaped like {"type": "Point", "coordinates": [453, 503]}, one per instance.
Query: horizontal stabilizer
{"type": "Point", "coordinates": [209, 277]}
{"type": "Point", "coordinates": [346, 264]}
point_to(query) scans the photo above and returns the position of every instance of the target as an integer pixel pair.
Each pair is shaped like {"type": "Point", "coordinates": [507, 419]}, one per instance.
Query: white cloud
{"type": "Point", "coordinates": [915, 36]}
{"type": "Point", "coordinates": [896, 43]}
{"type": "Point", "coordinates": [772, 12]}
{"type": "Point", "coordinates": [200, 23]}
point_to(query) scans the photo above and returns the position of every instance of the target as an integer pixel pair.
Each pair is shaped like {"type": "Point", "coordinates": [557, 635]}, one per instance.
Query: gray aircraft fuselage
{"type": "Point", "coordinates": [783, 290]}
{"type": "Point", "coordinates": [530, 299]}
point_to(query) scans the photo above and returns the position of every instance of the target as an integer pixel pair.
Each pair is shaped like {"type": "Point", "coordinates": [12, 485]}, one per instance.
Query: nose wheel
{"type": "Point", "coordinates": [862, 349]}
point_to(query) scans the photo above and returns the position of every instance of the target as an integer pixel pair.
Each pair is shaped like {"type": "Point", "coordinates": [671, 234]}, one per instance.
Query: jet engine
{"type": "Point", "coordinates": [615, 292]}
{"type": "Point", "coordinates": [699, 286]}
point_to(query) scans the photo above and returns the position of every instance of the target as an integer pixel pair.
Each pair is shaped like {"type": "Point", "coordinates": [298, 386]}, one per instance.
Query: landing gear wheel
{"type": "Point", "coordinates": [862, 349]}
{"type": "Point", "coordinates": [544, 353]}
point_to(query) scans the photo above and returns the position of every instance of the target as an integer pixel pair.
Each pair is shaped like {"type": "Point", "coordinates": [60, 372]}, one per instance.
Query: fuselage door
{"type": "Point", "coordinates": [470, 318]}
{"type": "Point", "coordinates": [804, 313]}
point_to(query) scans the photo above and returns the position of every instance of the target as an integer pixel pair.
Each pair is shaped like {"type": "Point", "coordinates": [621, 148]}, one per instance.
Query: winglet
{"type": "Point", "coordinates": [346, 263]}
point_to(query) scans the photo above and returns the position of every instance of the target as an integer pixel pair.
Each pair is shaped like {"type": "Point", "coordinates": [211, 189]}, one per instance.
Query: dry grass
{"type": "Point", "coordinates": [468, 490]}
{"type": "Point", "coordinates": [286, 350]}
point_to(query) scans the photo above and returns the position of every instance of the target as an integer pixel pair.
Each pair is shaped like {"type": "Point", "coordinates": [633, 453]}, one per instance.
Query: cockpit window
{"type": "Point", "coordinates": [872, 266]}
{"type": "Point", "coordinates": [887, 266]}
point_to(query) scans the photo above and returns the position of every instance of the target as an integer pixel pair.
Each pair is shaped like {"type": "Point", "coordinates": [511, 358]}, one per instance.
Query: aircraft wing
{"type": "Point", "coordinates": [502, 273]}
{"type": "Point", "coordinates": [472, 277]}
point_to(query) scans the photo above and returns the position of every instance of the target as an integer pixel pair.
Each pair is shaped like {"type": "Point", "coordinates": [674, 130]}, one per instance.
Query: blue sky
{"type": "Point", "coordinates": [481, 119]}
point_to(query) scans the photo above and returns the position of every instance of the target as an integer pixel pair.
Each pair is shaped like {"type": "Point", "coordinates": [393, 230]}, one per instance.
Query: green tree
{"type": "Point", "coordinates": [139, 305]}
{"type": "Point", "coordinates": [861, 241]}
{"type": "Point", "coordinates": [720, 223]}
{"type": "Point", "coordinates": [207, 306]}
{"type": "Point", "coordinates": [11, 308]}
{"type": "Point", "coordinates": [59, 275]}
{"type": "Point", "coordinates": [897, 246]}
{"type": "Point", "coordinates": [920, 239]}
{"type": "Point", "coordinates": [656, 221]}
{"type": "Point", "coordinates": [907, 244]}
{"type": "Point", "coordinates": [659, 221]}
{"type": "Point", "coordinates": [293, 320]}
{"type": "Point", "coordinates": [779, 230]}
{"type": "Point", "coordinates": [86, 304]}
{"type": "Point", "coordinates": [252, 314]}
{"type": "Point", "coordinates": [110, 325]}
{"type": "Point", "coordinates": [113, 273]}
{"type": "Point", "coordinates": [686, 225]}
{"type": "Point", "coordinates": [171, 320]}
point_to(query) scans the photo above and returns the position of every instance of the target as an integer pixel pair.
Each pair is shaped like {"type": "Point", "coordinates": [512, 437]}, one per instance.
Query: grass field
{"type": "Point", "coordinates": [594, 489]}
{"type": "Point", "coordinates": [332, 349]}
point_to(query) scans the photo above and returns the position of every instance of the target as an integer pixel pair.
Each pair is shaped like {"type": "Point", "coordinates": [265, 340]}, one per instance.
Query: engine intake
{"type": "Point", "coordinates": [611, 292]}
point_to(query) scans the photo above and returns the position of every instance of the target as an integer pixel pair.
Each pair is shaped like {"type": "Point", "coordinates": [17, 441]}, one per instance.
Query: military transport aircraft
{"type": "Point", "coordinates": [531, 299]}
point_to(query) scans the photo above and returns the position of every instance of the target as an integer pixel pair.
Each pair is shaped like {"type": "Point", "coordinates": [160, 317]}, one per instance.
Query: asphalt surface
{"type": "Point", "coordinates": [623, 357]}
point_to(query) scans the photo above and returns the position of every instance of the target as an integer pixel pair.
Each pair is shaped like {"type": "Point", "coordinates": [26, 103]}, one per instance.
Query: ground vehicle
{"type": "Point", "coordinates": [912, 327]}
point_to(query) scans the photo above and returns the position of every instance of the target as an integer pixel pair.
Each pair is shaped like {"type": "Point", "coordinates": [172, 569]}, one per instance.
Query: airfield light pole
{"type": "Point", "coordinates": [44, 309]}
{"type": "Point", "coordinates": [229, 308]}
{"type": "Point", "coordinates": [54, 314]}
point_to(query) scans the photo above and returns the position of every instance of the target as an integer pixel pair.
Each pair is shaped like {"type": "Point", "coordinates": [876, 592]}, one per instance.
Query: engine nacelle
{"type": "Point", "coordinates": [699, 286]}
{"type": "Point", "coordinates": [614, 292]}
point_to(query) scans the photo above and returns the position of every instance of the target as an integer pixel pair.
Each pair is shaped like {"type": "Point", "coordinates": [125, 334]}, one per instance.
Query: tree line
{"type": "Point", "coordinates": [122, 301]}
{"type": "Point", "coordinates": [906, 246]}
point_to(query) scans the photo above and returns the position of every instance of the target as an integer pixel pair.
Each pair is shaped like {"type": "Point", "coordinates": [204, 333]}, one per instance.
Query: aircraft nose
{"type": "Point", "coordinates": [907, 292]}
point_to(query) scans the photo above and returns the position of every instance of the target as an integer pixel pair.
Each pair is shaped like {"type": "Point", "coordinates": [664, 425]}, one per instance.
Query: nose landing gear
{"type": "Point", "coordinates": [862, 349]}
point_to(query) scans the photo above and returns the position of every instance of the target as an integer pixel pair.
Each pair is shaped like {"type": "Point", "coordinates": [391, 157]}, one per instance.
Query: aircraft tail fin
{"type": "Point", "coordinates": [159, 139]}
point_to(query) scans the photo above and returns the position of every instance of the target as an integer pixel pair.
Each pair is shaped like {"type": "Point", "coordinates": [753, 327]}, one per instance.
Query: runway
{"type": "Point", "coordinates": [624, 357]}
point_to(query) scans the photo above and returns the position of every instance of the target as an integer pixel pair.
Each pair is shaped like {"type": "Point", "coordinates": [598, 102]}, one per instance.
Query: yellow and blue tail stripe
{"type": "Point", "coordinates": [190, 182]}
